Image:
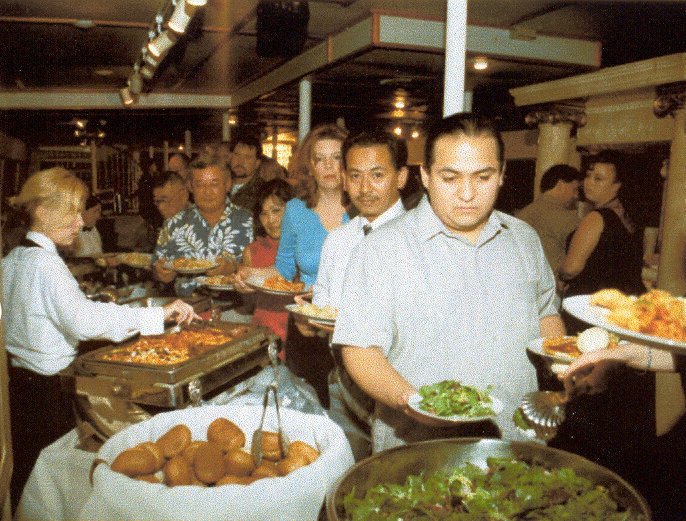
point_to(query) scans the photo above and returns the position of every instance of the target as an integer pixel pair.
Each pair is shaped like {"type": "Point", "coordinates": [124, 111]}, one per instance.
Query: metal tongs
{"type": "Point", "coordinates": [543, 412]}
{"type": "Point", "coordinates": [256, 446]}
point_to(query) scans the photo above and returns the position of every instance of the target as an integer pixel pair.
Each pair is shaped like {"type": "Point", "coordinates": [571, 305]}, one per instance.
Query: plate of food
{"type": "Point", "coordinates": [275, 285]}
{"type": "Point", "coordinates": [566, 349]}
{"type": "Point", "coordinates": [135, 259]}
{"type": "Point", "coordinates": [655, 318]}
{"type": "Point", "coordinates": [189, 266]}
{"type": "Point", "coordinates": [325, 315]}
{"type": "Point", "coordinates": [453, 402]}
{"type": "Point", "coordinates": [218, 282]}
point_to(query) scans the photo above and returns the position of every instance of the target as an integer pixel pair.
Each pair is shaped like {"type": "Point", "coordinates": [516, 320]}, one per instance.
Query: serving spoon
{"type": "Point", "coordinates": [542, 412]}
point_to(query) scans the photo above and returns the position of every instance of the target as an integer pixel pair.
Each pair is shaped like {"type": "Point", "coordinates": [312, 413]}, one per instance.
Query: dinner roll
{"type": "Point", "coordinates": [266, 469]}
{"type": "Point", "coordinates": [150, 478]}
{"type": "Point", "coordinates": [134, 462]}
{"type": "Point", "coordinates": [239, 463]}
{"type": "Point", "coordinates": [270, 446]}
{"type": "Point", "coordinates": [175, 440]}
{"type": "Point", "coordinates": [189, 452]}
{"type": "Point", "coordinates": [160, 460]}
{"type": "Point", "coordinates": [208, 462]}
{"type": "Point", "coordinates": [291, 463]}
{"type": "Point", "coordinates": [303, 449]}
{"type": "Point", "coordinates": [593, 339]}
{"type": "Point", "coordinates": [226, 434]}
{"type": "Point", "coordinates": [234, 480]}
{"type": "Point", "coordinates": [177, 472]}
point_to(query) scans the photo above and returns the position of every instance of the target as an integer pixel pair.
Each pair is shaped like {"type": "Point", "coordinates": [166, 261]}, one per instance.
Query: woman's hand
{"type": "Point", "coordinates": [241, 276]}
{"type": "Point", "coordinates": [179, 312]}
{"type": "Point", "coordinates": [590, 373]}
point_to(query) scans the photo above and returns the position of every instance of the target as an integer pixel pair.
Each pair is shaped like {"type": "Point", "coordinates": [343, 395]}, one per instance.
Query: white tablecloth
{"type": "Point", "coordinates": [58, 486]}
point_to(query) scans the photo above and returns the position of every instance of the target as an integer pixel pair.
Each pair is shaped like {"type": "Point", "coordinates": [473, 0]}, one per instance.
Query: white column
{"type": "Point", "coordinates": [455, 49]}
{"type": "Point", "coordinates": [555, 146]}
{"type": "Point", "coordinates": [187, 144]}
{"type": "Point", "coordinates": [304, 107]}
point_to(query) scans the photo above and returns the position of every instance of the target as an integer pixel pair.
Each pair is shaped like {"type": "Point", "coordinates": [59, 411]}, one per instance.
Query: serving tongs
{"type": "Point", "coordinates": [543, 412]}
{"type": "Point", "coordinates": [256, 448]}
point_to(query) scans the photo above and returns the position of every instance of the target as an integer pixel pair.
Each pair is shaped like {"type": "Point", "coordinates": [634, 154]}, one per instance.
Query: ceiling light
{"type": "Point", "coordinates": [147, 72]}
{"type": "Point", "coordinates": [126, 97]}
{"type": "Point", "coordinates": [101, 134]}
{"type": "Point", "coordinates": [398, 131]}
{"type": "Point", "coordinates": [81, 123]}
{"type": "Point", "coordinates": [480, 63]}
{"type": "Point", "coordinates": [161, 44]}
{"type": "Point", "coordinates": [415, 134]}
{"type": "Point", "coordinates": [84, 24]}
{"type": "Point", "coordinates": [179, 20]}
{"type": "Point", "coordinates": [103, 72]}
{"type": "Point", "coordinates": [135, 81]}
{"type": "Point", "coordinates": [233, 120]}
{"type": "Point", "coordinates": [399, 104]}
{"type": "Point", "coordinates": [197, 3]}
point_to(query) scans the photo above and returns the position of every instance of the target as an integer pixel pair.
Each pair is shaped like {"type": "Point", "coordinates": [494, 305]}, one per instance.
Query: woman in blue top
{"type": "Point", "coordinates": [308, 220]}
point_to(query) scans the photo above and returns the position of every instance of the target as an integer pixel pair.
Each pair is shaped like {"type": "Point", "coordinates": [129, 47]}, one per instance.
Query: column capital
{"type": "Point", "coordinates": [555, 114]}
{"type": "Point", "coordinates": [669, 99]}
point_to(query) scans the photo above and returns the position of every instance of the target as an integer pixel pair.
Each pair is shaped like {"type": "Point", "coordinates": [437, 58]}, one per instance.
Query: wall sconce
{"type": "Point", "coordinates": [480, 63]}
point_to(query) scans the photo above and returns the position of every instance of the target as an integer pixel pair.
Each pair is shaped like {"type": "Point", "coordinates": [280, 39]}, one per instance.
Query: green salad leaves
{"type": "Point", "coordinates": [451, 398]}
{"type": "Point", "coordinates": [510, 490]}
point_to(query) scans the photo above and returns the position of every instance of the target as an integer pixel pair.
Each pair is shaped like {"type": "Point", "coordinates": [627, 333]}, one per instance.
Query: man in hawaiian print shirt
{"type": "Point", "coordinates": [212, 228]}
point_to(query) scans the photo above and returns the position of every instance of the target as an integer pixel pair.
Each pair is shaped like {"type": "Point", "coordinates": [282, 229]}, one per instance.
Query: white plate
{"type": "Point", "coordinates": [580, 307]}
{"type": "Point", "coordinates": [257, 283]}
{"type": "Point", "coordinates": [293, 308]}
{"type": "Point", "coordinates": [536, 346]}
{"type": "Point", "coordinates": [189, 271]}
{"type": "Point", "coordinates": [416, 399]}
{"type": "Point", "coordinates": [218, 287]}
{"type": "Point", "coordinates": [132, 260]}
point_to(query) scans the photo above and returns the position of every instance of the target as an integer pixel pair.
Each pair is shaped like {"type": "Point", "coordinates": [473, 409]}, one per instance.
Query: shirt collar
{"type": "Point", "coordinates": [428, 225]}
{"type": "Point", "coordinates": [42, 240]}
{"type": "Point", "coordinates": [391, 213]}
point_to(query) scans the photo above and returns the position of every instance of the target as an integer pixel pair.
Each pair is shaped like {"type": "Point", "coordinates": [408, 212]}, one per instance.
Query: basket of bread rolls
{"type": "Point", "coordinates": [196, 464]}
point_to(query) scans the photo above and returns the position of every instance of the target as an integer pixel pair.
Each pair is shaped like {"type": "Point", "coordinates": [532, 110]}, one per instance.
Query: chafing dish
{"type": "Point", "coordinates": [394, 465]}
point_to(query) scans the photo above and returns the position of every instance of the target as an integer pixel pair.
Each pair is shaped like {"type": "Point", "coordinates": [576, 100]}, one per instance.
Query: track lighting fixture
{"type": "Point", "coordinates": [160, 45]}
{"type": "Point", "coordinates": [126, 98]}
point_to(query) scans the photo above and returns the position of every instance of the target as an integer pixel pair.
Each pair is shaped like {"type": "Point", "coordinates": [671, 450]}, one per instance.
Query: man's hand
{"type": "Point", "coordinates": [179, 312]}
{"type": "Point", "coordinates": [163, 274]}
{"type": "Point", "coordinates": [227, 266]}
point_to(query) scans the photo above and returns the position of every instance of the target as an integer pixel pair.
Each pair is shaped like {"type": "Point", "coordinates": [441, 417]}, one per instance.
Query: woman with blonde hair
{"type": "Point", "coordinates": [46, 315]}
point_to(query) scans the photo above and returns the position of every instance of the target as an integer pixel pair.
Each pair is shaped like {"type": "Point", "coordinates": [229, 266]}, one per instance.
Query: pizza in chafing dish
{"type": "Point", "coordinates": [173, 348]}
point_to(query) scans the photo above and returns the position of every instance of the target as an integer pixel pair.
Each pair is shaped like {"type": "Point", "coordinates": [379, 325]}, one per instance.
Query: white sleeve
{"type": "Point", "coordinates": [322, 287]}
{"type": "Point", "coordinates": [77, 316]}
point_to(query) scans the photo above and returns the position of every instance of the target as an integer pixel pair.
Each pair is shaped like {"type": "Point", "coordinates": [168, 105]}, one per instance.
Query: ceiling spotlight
{"type": "Point", "coordinates": [160, 45]}
{"type": "Point", "coordinates": [197, 3]}
{"type": "Point", "coordinates": [81, 123]}
{"type": "Point", "coordinates": [398, 131]}
{"type": "Point", "coordinates": [179, 20]}
{"type": "Point", "coordinates": [126, 97]}
{"type": "Point", "coordinates": [399, 104]}
{"type": "Point", "coordinates": [415, 134]}
{"type": "Point", "coordinates": [147, 72]}
{"type": "Point", "coordinates": [233, 120]}
{"type": "Point", "coordinates": [480, 63]}
{"type": "Point", "coordinates": [78, 133]}
{"type": "Point", "coordinates": [100, 134]}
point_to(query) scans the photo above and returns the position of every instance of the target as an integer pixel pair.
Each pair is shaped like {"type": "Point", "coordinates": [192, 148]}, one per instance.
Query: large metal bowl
{"type": "Point", "coordinates": [394, 465]}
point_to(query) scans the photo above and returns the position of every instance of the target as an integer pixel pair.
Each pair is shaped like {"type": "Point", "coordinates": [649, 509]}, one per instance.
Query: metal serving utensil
{"type": "Point", "coordinates": [256, 445]}
{"type": "Point", "coordinates": [543, 412]}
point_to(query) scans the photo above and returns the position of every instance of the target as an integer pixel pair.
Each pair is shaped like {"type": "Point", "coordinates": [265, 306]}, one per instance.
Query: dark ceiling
{"type": "Point", "coordinates": [44, 52]}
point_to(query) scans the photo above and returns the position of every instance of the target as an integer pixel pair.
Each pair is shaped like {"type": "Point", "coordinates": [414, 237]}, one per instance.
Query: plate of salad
{"type": "Point", "coordinates": [453, 402]}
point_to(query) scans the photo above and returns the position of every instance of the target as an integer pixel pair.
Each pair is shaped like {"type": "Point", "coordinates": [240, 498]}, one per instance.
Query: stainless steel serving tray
{"type": "Point", "coordinates": [394, 465]}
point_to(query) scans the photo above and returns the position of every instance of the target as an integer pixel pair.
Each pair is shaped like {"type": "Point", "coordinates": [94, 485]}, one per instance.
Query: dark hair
{"type": "Point", "coordinates": [555, 173]}
{"type": "Point", "coordinates": [204, 161]}
{"type": "Point", "coordinates": [168, 176]}
{"type": "Point", "coordinates": [610, 157]}
{"type": "Point", "coordinates": [465, 124]}
{"type": "Point", "coordinates": [91, 201]}
{"type": "Point", "coordinates": [184, 158]}
{"type": "Point", "coordinates": [276, 187]}
{"type": "Point", "coordinates": [396, 147]}
{"type": "Point", "coordinates": [250, 139]}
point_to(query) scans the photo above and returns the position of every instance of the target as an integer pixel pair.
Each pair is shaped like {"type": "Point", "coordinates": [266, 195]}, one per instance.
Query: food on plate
{"type": "Point", "coordinates": [509, 489]}
{"type": "Point", "coordinates": [610, 298]}
{"type": "Point", "coordinates": [173, 348]}
{"type": "Point", "coordinates": [451, 398]}
{"type": "Point", "coordinates": [655, 313]}
{"type": "Point", "coordinates": [134, 462]}
{"type": "Point", "coordinates": [208, 463]}
{"type": "Point", "coordinates": [185, 263]}
{"type": "Point", "coordinates": [135, 259]}
{"type": "Point", "coordinates": [220, 280]}
{"type": "Point", "coordinates": [175, 459]}
{"type": "Point", "coordinates": [277, 282]}
{"type": "Point", "coordinates": [175, 440]}
{"type": "Point", "coordinates": [225, 434]}
{"type": "Point", "coordinates": [592, 339]}
{"type": "Point", "coordinates": [312, 310]}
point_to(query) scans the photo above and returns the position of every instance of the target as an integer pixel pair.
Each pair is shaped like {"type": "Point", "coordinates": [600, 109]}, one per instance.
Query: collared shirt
{"type": "Point", "coordinates": [553, 222]}
{"type": "Point", "coordinates": [47, 314]}
{"type": "Point", "coordinates": [440, 307]}
{"type": "Point", "coordinates": [188, 234]}
{"type": "Point", "coordinates": [338, 248]}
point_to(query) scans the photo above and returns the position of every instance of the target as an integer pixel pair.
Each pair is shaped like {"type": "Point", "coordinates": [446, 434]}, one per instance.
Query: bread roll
{"type": "Point", "coordinates": [266, 469]}
{"type": "Point", "coordinates": [174, 440]}
{"type": "Point", "coordinates": [234, 480]}
{"type": "Point", "coordinates": [239, 463]}
{"type": "Point", "coordinates": [150, 478]}
{"type": "Point", "coordinates": [270, 446]}
{"type": "Point", "coordinates": [208, 463]}
{"type": "Point", "coordinates": [160, 460]}
{"type": "Point", "coordinates": [301, 448]}
{"type": "Point", "coordinates": [226, 434]}
{"type": "Point", "coordinates": [177, 472]}
{"type": "Point", "coordinates": [189, 452]}
{"type": "Point", "coordinates": [134, 462]}
{"type": "Point", "coordinates": [291, 463]}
